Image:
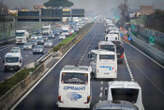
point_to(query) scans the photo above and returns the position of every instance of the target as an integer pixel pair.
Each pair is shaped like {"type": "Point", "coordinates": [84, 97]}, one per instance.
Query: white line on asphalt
{"type": "Point", "coordinates": [101, 88]}
{"type": "Point", "coordinates": [146, 56]}
{"type": "Point", "coordinates": [100, 94]}
{"type": "Point", "coordinates": [101, 82]}
{"type": "Point", "coordinates": [32, 88]}
{"type": "Point", "coordinates": [128, 67]}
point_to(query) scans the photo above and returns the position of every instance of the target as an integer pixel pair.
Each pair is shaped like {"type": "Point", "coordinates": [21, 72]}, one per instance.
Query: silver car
{"type": "Point", "coordinates": [38, 49]}
{"type": "Point", "coordinates": [27, 46]}
{"type": "Point", "coordinates": [119, 105]}
{"type": "Point", "coordinates": [48, 43]}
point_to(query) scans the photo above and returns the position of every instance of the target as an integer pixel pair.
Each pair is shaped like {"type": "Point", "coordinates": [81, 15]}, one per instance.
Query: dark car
{"type": "Point", "coordinates": [120, 51]}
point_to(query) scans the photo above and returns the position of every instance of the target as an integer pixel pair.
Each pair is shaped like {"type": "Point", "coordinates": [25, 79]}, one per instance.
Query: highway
{"type": "Point", "coordinates": [27, 55]}
{"type": "Point", "coordinates": [148, 74]}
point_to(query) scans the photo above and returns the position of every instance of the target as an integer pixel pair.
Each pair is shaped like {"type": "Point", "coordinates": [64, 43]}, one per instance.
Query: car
{"type": "Point", "coordinates": [15, 50]}
{"type": "Point", "coordinates": [38, 49]}
{"type": "Point", "coordinates": [48, 43]}
{"type": "Point", "coordinates": [27, 45]}
{"type": "Point", "coordinates": [120, 51]}
{"type": "Point", "coordinates": [33, 42]}
{"type": "Point", "coordinates": [61, 37]}
{"type": "Point", "coordinates": [117, 105]}
{"type": "Point", "coordinates": [40, 41]}
{"type": "Point", "coordinates": [34, 37]}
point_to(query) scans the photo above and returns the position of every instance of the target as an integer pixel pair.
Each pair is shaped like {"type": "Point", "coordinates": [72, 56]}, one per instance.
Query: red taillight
{"type": "Point", "coordinates": [59, 99]}
{"type": "Point", "coordinates": [122, 56]}
{"type": "Point", "coordinates": [88, 99]}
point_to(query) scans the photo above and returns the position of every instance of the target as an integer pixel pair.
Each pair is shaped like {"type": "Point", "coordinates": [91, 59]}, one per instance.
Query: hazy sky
{"type": "Point", "coordinates": [91, 6]}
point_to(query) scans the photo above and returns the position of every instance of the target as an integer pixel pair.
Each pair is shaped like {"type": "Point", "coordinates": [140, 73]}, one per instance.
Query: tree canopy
{"type": "Point", "coordinates": [58, 3]}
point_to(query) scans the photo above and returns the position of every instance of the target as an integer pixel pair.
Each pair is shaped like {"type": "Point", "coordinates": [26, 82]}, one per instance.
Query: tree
{"type": "Point", "coordinates": [58, 3]}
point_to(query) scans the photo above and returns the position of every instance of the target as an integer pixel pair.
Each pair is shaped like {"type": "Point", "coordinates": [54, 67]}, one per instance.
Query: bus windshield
{"type": "Point", "coordinates": [19, 33]}
{"type": "Point", "coordinates": [75, 78]}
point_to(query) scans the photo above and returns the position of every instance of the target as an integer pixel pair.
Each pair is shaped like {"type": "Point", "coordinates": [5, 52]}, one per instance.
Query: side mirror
{"type": "Point", "coordinates": [3, 61]}
{"type": "Point", "coordinates": [96, 47]}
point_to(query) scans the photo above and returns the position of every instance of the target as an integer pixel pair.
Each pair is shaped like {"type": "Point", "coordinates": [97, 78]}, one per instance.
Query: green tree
{"type": "Point", "coordinates": [58, 3]}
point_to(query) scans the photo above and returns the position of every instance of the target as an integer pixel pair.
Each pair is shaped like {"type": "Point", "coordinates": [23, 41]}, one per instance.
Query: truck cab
{"type": "Point", "coordinates": [103, 63]}
{"type": "Point", "coordinates": [74, 87]}
{"type": "Point", "coordinates": [47, 31]}
{"type": "Point", "coordinates": [21, 36]}
{"type": "Point", "coordinates": [12, 61]}
{"type": "Point", "coordinates": [125, 90]}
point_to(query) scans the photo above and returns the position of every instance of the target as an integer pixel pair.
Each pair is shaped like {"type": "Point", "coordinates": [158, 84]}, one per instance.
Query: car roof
{"type": "Point", "coordinates": [124, 84]}
{"type": "Point", "coordinates": [73, 68]}
{"type": "Point", "coordinates": [20, 30]}
{"type": "Point", "coordinates": [119, 105]}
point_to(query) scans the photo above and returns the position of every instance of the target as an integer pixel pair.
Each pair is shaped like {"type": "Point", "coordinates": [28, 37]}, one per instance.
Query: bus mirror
{"type": "Point", "coordinates": [96, 47]}
{"type": "Point", "coordinates": [3, 61]}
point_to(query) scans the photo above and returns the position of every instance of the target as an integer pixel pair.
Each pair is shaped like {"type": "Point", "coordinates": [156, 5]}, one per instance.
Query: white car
{"type": "Point", "coordinates": [74, 87]}
{"type": "Point", "coordinates": [61, 37]}
{"type": "Point", "coordinates": [126, 90]}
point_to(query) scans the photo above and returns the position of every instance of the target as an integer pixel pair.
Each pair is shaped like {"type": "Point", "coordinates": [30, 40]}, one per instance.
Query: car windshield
{"type": "Point", "coordinates": [107, 57]}
{"type": "Point", "coordinates": [12, 59]}
{"type": "Point", "coordinates": [19, 34]}
{"type": "Point", "coordinates": [74, 78]}
{"type": "Point", "coordinates": [130, 95]}
{"type": "Point", "coordinates": [107, 47]}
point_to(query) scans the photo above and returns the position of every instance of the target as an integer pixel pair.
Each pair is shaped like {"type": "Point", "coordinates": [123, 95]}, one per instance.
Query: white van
{"type": "Point", "coordinates": [112, 37]}
{"type": "Point", "coordinates": [107, 45]}
{"type": "Point", "coordinates": [74, 87]}
{"type": "Point", "coordinates": [12, 61]}
{"type": "Point", "coordinates": [126, 90]}
{"type": "Point", "coordinates": [21, 36]}
{"type": "Point", "coordinates": [103, 63]}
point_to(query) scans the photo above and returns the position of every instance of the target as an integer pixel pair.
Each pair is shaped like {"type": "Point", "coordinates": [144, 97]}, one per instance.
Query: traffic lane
{"type": "Point", "coordinates": [150, 77]}
{"type": "Point", "coordinates": [28, 54]}
{"type": "Point", "coordinates": [44, 96]}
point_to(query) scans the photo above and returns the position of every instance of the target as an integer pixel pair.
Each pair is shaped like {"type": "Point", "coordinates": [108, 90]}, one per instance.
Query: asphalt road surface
{"type": "Point", "coordinates": [148, 74]}
{"type": "Point", "coordinates": [27, 55]}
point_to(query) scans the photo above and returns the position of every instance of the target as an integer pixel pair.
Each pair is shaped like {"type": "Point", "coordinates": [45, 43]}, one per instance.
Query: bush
{"type": "Point", "coordinates": [9, 83]}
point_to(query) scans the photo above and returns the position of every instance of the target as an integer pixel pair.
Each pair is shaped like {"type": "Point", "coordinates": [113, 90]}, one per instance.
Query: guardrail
{"type": "Point", "coordinates": [13, 95]}
{"type": "Point", "coordinates": [149, 49]}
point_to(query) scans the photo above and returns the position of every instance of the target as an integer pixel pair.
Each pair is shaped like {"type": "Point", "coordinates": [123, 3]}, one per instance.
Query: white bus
{"type": "Point", "coordinates": [21, 36]}
{"type": "Point", "coordinates": [103, 63]}
{"type": "Point", "coordinates": [125, 90]}
{"type": "Point", "coordinates": [74, 87]}
{"type": "Point", "coordinates": [107, 45]}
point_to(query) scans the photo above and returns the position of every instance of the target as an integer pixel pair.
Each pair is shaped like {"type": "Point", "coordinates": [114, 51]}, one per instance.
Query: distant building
{"type": "Point", "coordinates": [38, 7]}
{"type": "Point", "coordinates": [146, 10]}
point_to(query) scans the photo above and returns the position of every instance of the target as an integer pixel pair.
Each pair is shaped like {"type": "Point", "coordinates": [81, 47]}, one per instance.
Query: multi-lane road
{"type": "Point", "coordinates": [27, 55]}
{"type": "Point", "coordinates": [142, 69]}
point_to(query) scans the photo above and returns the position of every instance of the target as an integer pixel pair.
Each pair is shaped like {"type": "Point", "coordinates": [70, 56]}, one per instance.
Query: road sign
{"type": "Point", "coordinates": [151, 40]}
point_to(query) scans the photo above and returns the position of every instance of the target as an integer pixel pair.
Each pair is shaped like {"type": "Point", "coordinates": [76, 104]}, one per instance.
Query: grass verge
{"type": "Point", "coordinates": [9, 83]}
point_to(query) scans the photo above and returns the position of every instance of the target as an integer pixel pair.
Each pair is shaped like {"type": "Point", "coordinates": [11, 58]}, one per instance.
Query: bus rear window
{"type": "Point", "coordinates": [107, 47]}
{"type": "Point", "coordinates": [130, 95]}
{"type": "Point", "coordinates": [107, 57]}
{"type": "Point", "coordinates": [75, 78]}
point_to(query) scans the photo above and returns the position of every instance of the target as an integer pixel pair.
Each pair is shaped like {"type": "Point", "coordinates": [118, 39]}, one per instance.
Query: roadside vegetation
{"type": "Point", "coordinates": [12, 81]}
{"type": "Point", "coordinates": [64, 42]}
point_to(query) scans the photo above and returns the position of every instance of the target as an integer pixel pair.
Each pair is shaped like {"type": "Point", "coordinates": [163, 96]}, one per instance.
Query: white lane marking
{"type": "Point", "coordinates": [128, 67]}
{"type": "Point", "coordinates": [101, 88]}
{"type": "Point", "coordinates": [101, 82]}
{"type": "Point", "coordinates": [32, 88]}
{"type": "Point", "coordinates": [151, 81]}
{"type": "Point", "coordinates": [146, 56]}
{"type": "Point", "coordinates": [100, 94]}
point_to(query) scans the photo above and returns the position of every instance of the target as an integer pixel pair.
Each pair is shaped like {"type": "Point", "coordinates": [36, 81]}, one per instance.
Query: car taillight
{"type": "Point", "coordinates": [122, 56]}
{"type": "Point", "coordinates": [59, 99]}
{"type": "Point", "coordinates": [88, 99]}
